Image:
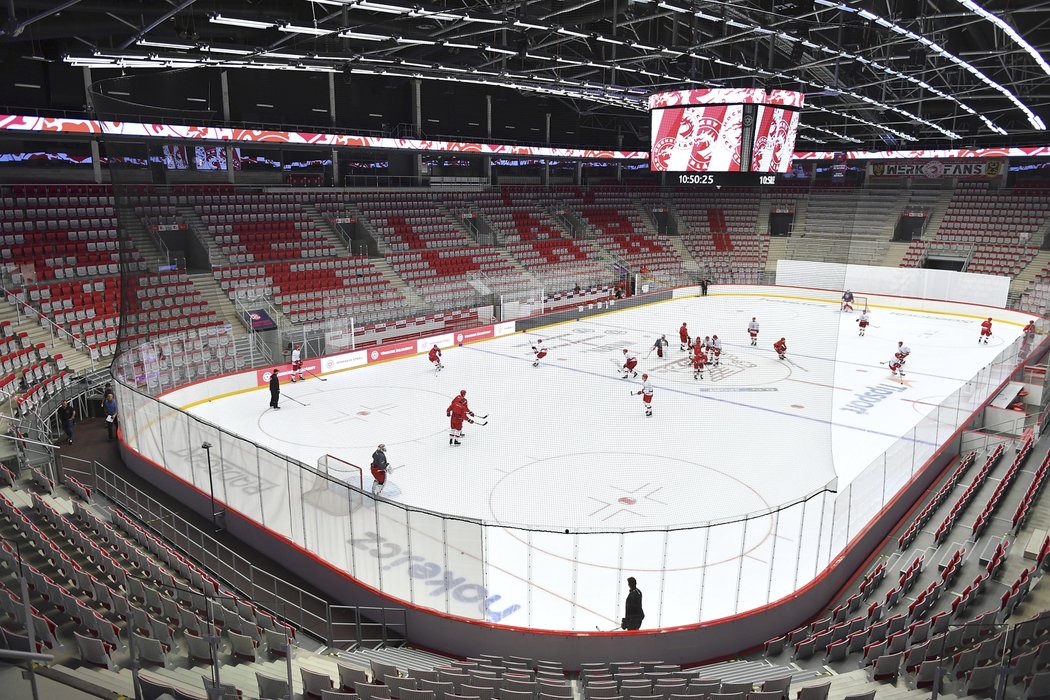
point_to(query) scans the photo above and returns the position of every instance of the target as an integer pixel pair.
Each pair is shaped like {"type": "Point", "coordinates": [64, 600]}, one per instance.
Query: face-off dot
{"type": "Point", "coordinates": [627, 501]}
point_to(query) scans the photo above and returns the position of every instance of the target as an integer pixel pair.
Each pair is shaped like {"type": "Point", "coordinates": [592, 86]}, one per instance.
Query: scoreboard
{"type": "Point", "coordinates": [723, 130]}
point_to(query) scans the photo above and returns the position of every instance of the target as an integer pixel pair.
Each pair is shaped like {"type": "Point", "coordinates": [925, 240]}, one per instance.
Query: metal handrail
{"type": "Point", "coordinates": [53, 328]}
{"type": "Point", "coordinates": [228, 566]}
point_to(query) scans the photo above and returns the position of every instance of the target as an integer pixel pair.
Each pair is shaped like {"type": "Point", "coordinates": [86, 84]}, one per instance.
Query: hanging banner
{"type": "Point", "coordinates": [935, 169]}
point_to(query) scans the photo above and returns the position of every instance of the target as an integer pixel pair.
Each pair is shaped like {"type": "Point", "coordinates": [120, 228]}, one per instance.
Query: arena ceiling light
{"type": "Point", "coordinates": [829, 132]}
{"type": "Point", "coordinates": [238, 22]}
{"type": "Point", "coordinates": [364, 36]}
{"type": "Point", "coordinates": [166, 45]}
{"type": "Point", "coordinates": [1009, 31]}
{"type": "Point", "coordinates": [849, 56]}
{"type": "Point", "coordinates": [296, 29]}
{"type": "Point", "coordinates": [933, 46]}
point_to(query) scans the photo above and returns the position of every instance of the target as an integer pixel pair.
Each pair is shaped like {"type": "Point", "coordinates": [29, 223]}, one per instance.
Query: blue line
{"type": "Point", "coordinates": [712, 398]}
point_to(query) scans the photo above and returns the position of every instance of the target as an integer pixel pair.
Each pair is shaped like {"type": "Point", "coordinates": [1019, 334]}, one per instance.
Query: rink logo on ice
{"type": "Point", "coordinates": [440, 579]}
{"type": "Point", "coordinates": [870, 397]}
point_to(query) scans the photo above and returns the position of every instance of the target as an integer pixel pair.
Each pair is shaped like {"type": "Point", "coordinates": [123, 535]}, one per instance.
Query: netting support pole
{"type": "Point", "coordinates": [225, 86]}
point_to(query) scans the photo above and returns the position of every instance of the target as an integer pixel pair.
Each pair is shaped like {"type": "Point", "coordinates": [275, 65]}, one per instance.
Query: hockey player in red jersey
{"type": "Point", "coordinates": [781, 348]}
{"type": "Point", "coordinates": [896, 366]}
{"type": "Point", "coordinates": [539, 352]}
{"type": "Point", "coordinates": [646, 392]}
{"type": "Point", "coordinates": [699, 360]}
{"type": "Point", "coordinates": [1029, 332]}
{"type": "Point", "coordinates": [435, 358]}
{"type": "Point", "coordinates": [986, 331]}
{"type": "Point", "coordinates": [629, 363]}
{"type": "Point", "coordinates": [683, 336]}
{"type": "Point", "coordinates": [458, 411]}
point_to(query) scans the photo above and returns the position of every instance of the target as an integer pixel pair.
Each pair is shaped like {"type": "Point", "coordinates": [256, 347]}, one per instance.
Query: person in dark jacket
{"type": "Point", "coordinates": [109, 407]}
{"type": "Point", "coordinates": [379, 469]}
{"type": "Point", "coordinates": [275, 388]}
{"type": "Point", "coordinates": [633, 613]}
{"type": "Point", "coordinates": [67, 414]}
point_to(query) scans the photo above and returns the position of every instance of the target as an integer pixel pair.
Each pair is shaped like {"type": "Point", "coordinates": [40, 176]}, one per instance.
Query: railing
{"type": "Point", "coordinates": [273, 593]}
{"type": "Point", "coordinates": [55, 332]}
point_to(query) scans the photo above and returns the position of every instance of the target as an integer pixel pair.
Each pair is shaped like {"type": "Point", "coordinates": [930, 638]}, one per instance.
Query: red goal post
{"type": "Point", "coordinates": [860, 303]}
{"type": "Point", "coordinates": [351, 474]}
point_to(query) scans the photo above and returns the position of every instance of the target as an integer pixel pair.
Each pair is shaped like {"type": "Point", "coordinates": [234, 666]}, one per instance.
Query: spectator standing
{"type": "Point", "coordinates": [633, 613]}
{"type": "Point", "coordinates": [67, 414]}
{"type": "Point", "coordinates": [275, 388]}
{"type": "Point", "coordinates": [109, 407]}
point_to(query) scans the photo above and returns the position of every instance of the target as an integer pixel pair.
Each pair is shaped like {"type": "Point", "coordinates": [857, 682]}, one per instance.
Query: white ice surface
{"type": "Point", "coordinates": [568, 446]}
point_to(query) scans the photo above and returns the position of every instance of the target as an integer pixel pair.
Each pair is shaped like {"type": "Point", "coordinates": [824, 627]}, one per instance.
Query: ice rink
{"type": "Point", "coordinates": [567, 445]}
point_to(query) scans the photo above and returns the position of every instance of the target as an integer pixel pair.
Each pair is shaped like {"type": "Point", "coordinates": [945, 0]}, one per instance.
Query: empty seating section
{"type": "Point", "coordinates": [313, 290]}
{"type": "Point", "coordinates": [721, 232]}
{"type": "Point", "coordinates": [1036, 297]}
{"type": "Point", "coordinates": [540, 242]}
{"type": "Point", "coordinates": [27, 371]}
{"type": "Point", "coordinates": [999, 225]}
{"type": "Point", "coordinates": [48, 234]}
{"type": "Point", "coordinates": [411, 221]}
{"type": "Point", "coordinates": [261, 227]}
{"type": "Point", "coordinates": [90, 310]}
{"type": "Point", "coordinates": [442, 276]}
{"type": "Point", "coordinates": [98, 581]}
{"type": "Point", "coordinates": [915, 254]}
{"type": "Point", "coordinates": [649, 251]}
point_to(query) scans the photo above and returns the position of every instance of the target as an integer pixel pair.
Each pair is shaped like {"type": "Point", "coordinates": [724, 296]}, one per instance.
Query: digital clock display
{"type": "Point", "coordinates": [729, 179]}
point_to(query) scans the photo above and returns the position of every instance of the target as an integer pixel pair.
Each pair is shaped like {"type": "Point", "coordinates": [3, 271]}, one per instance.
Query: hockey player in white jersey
{"type": "Point", "coordinates": [752, 330]}
{"type": "Point", "coordinates": [863, 322]}
{"type": "Point", "coordinates": [630, 361]}
{"type": "Point", "coordinates": [297, 363]}
{"type": "Point", "coordinates": [714, 350]}
{"type": "Point", "coordinates": [646, 392]}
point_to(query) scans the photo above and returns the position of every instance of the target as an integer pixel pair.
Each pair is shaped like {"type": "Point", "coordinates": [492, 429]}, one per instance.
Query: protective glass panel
{"type": "Point", "coordinates": [464, 559]}
{"type": "Point", "coordinates": [725, 546]}
{"type": "Point", "coordinates": [365, 540]}
{"type": "Point", "coordinates": [509, 554]}
{"type": "Point", "coordinates": [271, 476]}
{"type": "Point", "coordinates": [396, 553]}
{"type": "Point", "coordinates": [177, 443]}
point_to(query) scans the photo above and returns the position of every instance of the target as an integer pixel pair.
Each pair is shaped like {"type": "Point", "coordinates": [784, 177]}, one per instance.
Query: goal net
{"type": "Point", "coordinates": [338, 482]}
{"type": "Point", "coordinates": [859, 303]}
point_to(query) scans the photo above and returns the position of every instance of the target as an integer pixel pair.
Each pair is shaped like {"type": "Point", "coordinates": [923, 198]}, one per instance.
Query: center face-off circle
{"type": "Point", "coordinates": [615, 490]}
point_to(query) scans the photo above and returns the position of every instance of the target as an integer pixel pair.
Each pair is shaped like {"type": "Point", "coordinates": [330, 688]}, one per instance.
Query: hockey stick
{"type": "Point", "coordinates": [318, 376]}
{"type": "Point", "coordinates": [482, 422]}
{"type": "Point", "coordinates": [481, 417]}
{"type": "Point", "coordinates": [291, 398]}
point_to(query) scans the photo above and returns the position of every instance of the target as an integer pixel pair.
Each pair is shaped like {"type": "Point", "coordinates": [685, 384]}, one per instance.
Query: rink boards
{"type": "Point", "coordinates": [737, 493]}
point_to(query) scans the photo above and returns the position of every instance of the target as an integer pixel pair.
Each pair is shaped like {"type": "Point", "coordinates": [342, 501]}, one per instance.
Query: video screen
{"type": "Point", "coordinates": [775, 131]}
{"type": "Point", "coordinates": [696, 139]}
{"type": "Point", "coordinates": [712, 130]}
